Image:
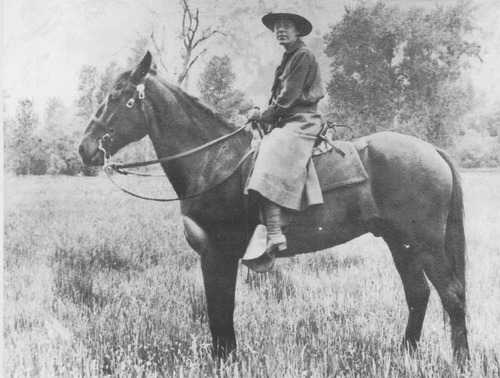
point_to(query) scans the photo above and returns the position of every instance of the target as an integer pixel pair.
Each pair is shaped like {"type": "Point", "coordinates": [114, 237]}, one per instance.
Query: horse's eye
{"type": "Point", "coordinates": [99, 111]}
{"type": "Point", "coordinates": [111, 131]}
{"type": "Point", "coordinates": [114, 96]}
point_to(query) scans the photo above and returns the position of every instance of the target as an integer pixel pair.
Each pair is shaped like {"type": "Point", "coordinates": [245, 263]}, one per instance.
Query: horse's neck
{"type": "Point", "coordinates": [181, 124]}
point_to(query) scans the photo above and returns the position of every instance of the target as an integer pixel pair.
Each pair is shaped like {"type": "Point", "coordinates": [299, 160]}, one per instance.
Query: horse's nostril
{"type": "Point", "coordinates": [81, 149]}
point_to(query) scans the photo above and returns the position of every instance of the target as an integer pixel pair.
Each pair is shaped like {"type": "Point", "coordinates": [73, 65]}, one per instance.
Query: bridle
{"type": "Point", "coordinates": [139, 92]}
{"type": "Point", "coordinates": [120, 168]}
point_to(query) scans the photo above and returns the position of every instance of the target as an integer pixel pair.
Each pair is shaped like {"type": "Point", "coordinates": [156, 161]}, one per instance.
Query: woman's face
{"type": "Point", "coordinates": [286, 31]}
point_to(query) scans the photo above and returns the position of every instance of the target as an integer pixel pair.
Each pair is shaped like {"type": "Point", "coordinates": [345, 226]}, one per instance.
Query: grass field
{"type": "Point", "coordinates": [99, 283]}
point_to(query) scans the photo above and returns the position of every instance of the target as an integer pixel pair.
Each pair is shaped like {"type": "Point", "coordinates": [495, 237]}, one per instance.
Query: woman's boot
{"type": "Point", "coordinates": [275, 237]}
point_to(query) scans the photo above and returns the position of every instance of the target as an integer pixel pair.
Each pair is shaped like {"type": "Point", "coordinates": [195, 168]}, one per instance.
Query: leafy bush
{"type": "Point", "coordinates": [475, 149]}
{"type": "Point", "coordinates": [216, 87]}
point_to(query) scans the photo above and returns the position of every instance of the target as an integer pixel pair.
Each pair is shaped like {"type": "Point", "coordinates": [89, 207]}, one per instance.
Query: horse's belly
{"type": "Point", "coordinates": [344, 215]}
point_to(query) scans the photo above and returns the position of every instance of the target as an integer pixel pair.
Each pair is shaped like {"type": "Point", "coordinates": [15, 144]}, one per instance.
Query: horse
{"type": "Point", "coordinates": [412, 198]}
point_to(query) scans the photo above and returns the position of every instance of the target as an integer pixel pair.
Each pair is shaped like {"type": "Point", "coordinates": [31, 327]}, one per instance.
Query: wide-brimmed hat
{"type": "Point", "coordinates": [302, 23]}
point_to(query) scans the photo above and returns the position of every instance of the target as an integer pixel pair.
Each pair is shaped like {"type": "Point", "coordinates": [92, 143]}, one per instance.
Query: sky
{"type": "Point", "coordinates": [46, 42]}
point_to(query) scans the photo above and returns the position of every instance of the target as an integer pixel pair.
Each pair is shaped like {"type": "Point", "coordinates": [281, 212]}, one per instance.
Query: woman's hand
{"type": "Point", "coordinates": [254, 115]}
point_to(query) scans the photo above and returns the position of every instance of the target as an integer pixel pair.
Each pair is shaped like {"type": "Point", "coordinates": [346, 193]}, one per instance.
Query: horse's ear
{"type": "Point", "coordinates": [142, 69]}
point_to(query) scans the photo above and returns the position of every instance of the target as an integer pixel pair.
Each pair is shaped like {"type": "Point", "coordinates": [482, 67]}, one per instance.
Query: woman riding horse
{"type": "Point", "coordinates": [283, 174]}
{"type": "Point", "coordinates": [412, 199]}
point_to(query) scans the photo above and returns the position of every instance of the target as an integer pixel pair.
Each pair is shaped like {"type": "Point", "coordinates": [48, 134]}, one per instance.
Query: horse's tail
{"type": "Point", "coordinates": [455, 246]}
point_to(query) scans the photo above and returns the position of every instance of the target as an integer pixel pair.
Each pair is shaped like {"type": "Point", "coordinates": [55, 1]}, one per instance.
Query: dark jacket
{"type": "Point", "coordinates": [297, 85]}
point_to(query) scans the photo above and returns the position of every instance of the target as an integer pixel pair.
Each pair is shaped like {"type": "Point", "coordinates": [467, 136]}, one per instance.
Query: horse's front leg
{"type": "Point", "coordinates": [219, 275]}
{"type": "Point", "coordinates": [220, 269]}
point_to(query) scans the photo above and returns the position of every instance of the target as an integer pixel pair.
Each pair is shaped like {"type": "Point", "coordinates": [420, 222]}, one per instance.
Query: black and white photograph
{"type": "Point", "coordinates": [251, 188]}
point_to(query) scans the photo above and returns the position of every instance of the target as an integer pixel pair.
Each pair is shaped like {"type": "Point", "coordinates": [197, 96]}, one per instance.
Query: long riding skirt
{"type": "Point", "coordinates": [284, 172]}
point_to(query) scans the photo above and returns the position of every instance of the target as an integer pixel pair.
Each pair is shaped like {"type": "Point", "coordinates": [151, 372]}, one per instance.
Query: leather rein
{"type": "Point", "coordinates": [120, 168]}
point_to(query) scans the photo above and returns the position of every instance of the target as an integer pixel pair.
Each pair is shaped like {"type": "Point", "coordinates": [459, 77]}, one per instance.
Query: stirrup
{"type": "Point", "coordinates": [262, 264]}
{"type": "Point", "coordinates": [276, 242]}
{"type": "Point", "coordinates": [256, 257]}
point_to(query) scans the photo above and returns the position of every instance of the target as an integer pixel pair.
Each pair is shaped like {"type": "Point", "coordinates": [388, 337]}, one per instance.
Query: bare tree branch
{"type": "Point", "coordinates": [184, 21]}
{"type": "Point", "coordinates": [192, 39]}
{"type": "Point", "coordinates": [195, 58]}
{"type": "Point", "coordinates": [159, 51]}
{"type": "Point", "coordinates": [206, 35]}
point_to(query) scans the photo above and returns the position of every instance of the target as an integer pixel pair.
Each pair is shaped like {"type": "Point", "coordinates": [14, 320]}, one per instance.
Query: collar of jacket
{"type": "Point", "coordinates": [279, 70]}
{"type": "Point", "coordinates": [294, 46]}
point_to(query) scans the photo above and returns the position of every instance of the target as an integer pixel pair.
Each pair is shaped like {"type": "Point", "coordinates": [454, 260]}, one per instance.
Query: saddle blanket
{"type": "Point", "coordinates": [335, 171]}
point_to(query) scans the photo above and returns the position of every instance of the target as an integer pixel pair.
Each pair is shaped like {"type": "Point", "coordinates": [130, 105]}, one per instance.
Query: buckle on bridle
{"type": "Point", "coordinates": [130, 103]}
{"type": "Point", "coordinates": [105, 154]}
{"type": "Point", "coordinates": [140, 89]}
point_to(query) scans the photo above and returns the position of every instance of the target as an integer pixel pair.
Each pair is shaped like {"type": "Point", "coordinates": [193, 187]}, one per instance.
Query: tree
{"type": "Point", "coordinates": [87, 87]}
{"type": "Point", "coordinates": [106, 80]}
{"type": "Point", "coordinates": [401, 70]}
{"type": "Point", "coordinates": [53, 109]}
{"type": "Point", "coordinates": [361, 47]}
{"type": "Point", "coordinates": [436, 53]}
{"type": "Point", "coordinates": [137, 52]}
{"type": "Point", "coordinates": [192, 40]}
{"type": "Point", "coordinates": [159, 46]}
{"type": "Point", "coordinates": [61, 140]}
{"type": "Point", "coordinates": [8, 130]}
{"type": "Point", "coordinates": [25, 151]}
{"type": "Point", "coordinates": [8, 125]}
{"type": "Point", "coordinates": [216, 88]}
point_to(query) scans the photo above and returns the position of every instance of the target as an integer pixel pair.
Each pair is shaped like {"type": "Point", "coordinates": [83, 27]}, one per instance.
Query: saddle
{"type": "Point", "coordinates": [338, 164]}
{"type": "Point", "coordinates": [336, 160]}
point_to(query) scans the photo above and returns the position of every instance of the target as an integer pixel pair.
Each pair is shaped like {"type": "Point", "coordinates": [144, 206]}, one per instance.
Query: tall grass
{"type": "Point", "coordinates": [97, 283]}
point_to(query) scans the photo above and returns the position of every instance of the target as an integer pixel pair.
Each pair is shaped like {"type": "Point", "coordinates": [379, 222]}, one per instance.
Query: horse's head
{"type": "Point", "coordinates": [120, 119]}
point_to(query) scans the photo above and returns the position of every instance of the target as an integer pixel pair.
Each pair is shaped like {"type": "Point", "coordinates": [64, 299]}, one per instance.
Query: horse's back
{"type": "Point", "coordinates": [401, 150]}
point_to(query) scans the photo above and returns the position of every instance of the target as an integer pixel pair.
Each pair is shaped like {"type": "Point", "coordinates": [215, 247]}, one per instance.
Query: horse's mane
{"type": "Point", "coordinates": [196, 102]}
{"type": "Point", "coordinates": [197, 109]}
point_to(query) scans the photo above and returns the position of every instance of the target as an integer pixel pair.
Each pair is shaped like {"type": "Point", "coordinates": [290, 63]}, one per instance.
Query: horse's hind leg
{"type": "Point", "coordinates": [452, 293]}
{"type": "Point", "coordinates": [415, 285]}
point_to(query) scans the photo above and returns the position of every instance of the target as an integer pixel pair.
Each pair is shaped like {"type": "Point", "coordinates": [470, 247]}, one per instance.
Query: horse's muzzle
{"type": "Point", "coordinates": [91, 156]}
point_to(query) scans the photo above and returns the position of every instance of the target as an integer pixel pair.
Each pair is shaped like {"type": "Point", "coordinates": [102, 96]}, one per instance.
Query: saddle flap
{"type": "Point", "coordinates": [335, 170]}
